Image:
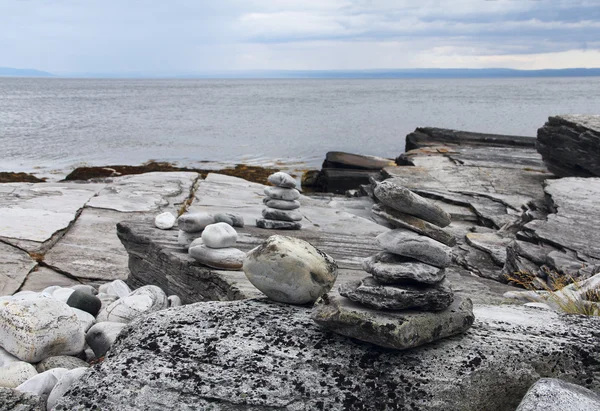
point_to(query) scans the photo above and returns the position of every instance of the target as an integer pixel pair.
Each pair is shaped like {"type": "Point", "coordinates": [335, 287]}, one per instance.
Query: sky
{"type": "Point", "coordinates": [196, 36]}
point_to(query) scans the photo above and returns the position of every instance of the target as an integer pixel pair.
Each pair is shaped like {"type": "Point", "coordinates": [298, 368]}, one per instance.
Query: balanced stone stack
{"type": "Point", "coordinates": [282, 204]}
{"type": "Point", "coordinates": [407, 301]}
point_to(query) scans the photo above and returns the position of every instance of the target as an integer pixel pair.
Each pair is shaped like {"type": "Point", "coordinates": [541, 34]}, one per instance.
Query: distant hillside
{"type": "Point", "coordinates": [15, 72]}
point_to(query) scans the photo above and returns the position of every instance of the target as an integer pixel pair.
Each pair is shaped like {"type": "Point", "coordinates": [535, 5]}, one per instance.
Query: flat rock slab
{"type": "Point", "coordinates": [254, 354]}
{"type": "Point", "coordinates": [43, 277]}
{"type": "Point", "coordinates": [491, 243]}
{"type": "Point", "coordinates": [30, 214]}
{"type": "Point", "coordinates": [91, 249]}
{"type": "Point", "coordinates": [15, 265]}
{"type": "Point", "coordinates": [148, 192]}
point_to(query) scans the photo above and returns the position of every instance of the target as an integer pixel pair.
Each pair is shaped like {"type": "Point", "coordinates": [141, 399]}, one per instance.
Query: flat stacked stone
{"type": "Point", "coordinates": [407, 301]}
{"type": "Point", "coordinates": [215, 248]}
{"type": "Point", "coordinates": [282, 204]}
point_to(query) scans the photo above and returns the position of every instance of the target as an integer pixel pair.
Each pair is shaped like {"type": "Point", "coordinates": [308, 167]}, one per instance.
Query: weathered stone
{"type": "Point", "coordinates": [239, 355]}
{"type": "Point", "coordinates": [279, 193]}
{"type": "Point", "coordinates": [220, 258]}
{"type": "Point", "coordinates": [86, 320]}
{"type": "Point", "coordinates": [85, 302]}
{"type": "Point", "coordinates": [40, 328]}
{"type": "Point", "coordinates": [338, 159]}
{"type": "Point", "coordinates": [281, 204]}
{"type": "Point", "coordinates": [281, 179]}
{"type": "Point", "coordinates": [290, 270]}
{"type": "Point", "coordinates": [570, 145]}
{"type": "Point", "coordinates": [338, 181]}
{"type": "Point", "coordinates": [412, 245]}
{"type": "Point", "coordinates": [409, 222]}
{"type": "Point", "coordinates": [60, 361]}
{"type": "Point", "coordinates": [277, 224]}
{"type": "Point", "coordinates": [165, 221]}
{"type": "Point", "coordinates": [186, 239]}
{"type": "Point", "coordinates": [43, 383]}
{"type": "Point", "coordinates": [144, 300]}
{"type": "Point", "coordinates": [15, 266]}
{"type": "Point", "coordinates": [86, 288]}
{"type": "Point", "coordinates": [42, 277]}
{"type": "Point", "coordinates": [491, 243]}
{"type": "Point", "coordinates": [388, 268]}
{"type": "Point", "coordinates": [102, 336]}
{"type": "Point", "coordinates": [281, 215]}
{"type": "Point", "coordinates": [372, 294]}
{"type": "Point", "coordinates": [405, 201]}
{"type": "Point", "coordinates": [62, 294]}
{"type": "Point", "coordinates": [194, 222]}
{"type": "Point", "coordinates": [432, 136]}
{"type": "Point", "coordinates": [16, 373]}
{"type": "Point", "coordinates": [551, 394]}
{"type": "Point", "coordinates": [6, 357]}
{"type": "Point", "coordinates": [219, 235]}
{"type": "Point", "coordinates": [117, 288]}
{"type": "Point", "coordinates": [14, 400]}
{"type": "Point", "coordinates": [63, 385]}
{"type": "Point", "coordinates": [174, 301]}
{"type": "Point", "coordinates": [233, 219]}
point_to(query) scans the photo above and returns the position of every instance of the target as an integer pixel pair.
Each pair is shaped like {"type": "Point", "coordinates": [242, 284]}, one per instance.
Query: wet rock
{"type": "Point", "coordinates": [372, 294]}
{"type": "Point", "coordinates": [409, 222]}
{"type": "Point", "coordinates": [290, 270]}
{"type": "Point", "coordinates": [281, 179]}
{"type": "Point", "coordinates": [219, 235]}
{"type": "Point", "coordinates": [194, 222]}
{"type": "Point", "coordinates": [60, 361]}
{"type": "Point", "coordinates": [63, 385]}
{"type": "Point", "coordinates": [405, 201]}
{"type": "Point", "coordinates": [388, 268]}
{"type": "Point", "coordinates": [220, 258]}
{"type": "Point", "coordinates": [85, 302]}
{"type": "Point", "coordinates": [239, 354]}
{"type": "Point", "coordinates": [281, 204]}
{"type": "Point", "coordinates": [552, 394]}
{"type": "Point", "coordinates": [279, 193]}
{"type": "Point", "coordinates": [40, 328]}
{"type": "Point", "coordinates": [412, 245]}
{"type": "Point", "coordinates": [278, 224]}
{"type": "Point", "coordinates": [11, 399]}
{"type": "Point", "coordinates": [570, 144]}
{"type": "Point", "coordinates": [165, 221]}
{"type": "Point", "coordinates": [281, 215]}
{"type": "Point", "coordinates": [16, 373]}
{"type": "Point", "coordinates": [102, 336]}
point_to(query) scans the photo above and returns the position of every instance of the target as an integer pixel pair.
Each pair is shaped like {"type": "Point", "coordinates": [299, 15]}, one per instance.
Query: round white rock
{"type": "Point", "coordinates": [219, 235]}
{"type": "Point", "coordinates": [165, 221]}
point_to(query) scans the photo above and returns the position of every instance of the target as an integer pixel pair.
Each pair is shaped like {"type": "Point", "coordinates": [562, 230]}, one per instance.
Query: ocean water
{"type": "Point", "coordinates": [49, 126]}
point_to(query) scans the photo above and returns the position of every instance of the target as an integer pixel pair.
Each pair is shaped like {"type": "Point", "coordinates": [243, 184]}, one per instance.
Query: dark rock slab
{"type": "Point", "coordinates": [270, 224]}
{"type": "Point", "coordinates": [552, 394]}
{"type": "Point", "coordinates": [338, 159]}
{"type": "Point", "coordinates": [432, 136]}
{"type": "Point", "coordinates": [259, 355]}
{"type": "Point", "coordinates": [403, 220]}
{"type": "Point", "coordinates": [340, 180]}
{"type": "Point", "coordinates": [389, 268]}
{"type": "Point", "coordinates": [570, 145]}
{"type": "Point", "coordinates": [492, 243]}
{"type": "Point", "coordinates": [370, 293]}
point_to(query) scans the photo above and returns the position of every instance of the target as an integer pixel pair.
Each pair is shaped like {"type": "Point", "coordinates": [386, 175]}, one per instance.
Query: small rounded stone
{"type": "Point", "coordinates": [219, 235]}
{"type": "Point", "coordinates": [85, 302]}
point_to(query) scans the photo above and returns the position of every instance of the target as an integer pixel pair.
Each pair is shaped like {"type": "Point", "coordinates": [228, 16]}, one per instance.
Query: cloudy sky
{"type": "Point", "coordinates": [191, 36]}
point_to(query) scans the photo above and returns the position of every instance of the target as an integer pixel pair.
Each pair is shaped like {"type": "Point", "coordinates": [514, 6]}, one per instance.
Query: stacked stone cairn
{"type": "Point", "coordinates": [210, 239]}
{"type": "Point", "coordinates": [48, 338]}
{"type": "Point", "coordinates": [407, 301]}
{"type": "Point", "coordinates": [282, 204]}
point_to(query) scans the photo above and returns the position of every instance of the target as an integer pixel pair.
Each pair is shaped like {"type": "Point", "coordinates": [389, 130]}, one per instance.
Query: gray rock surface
{"type": "Point", "coordinates": [102, 336]}
{"type": "Point", "coordinates": [410, 244]}
{"type": "Point", "coordinates": [14, 267]}
{"type": "Point", "coordinates": [551, 394]}
{"type": "Point", "coordinates": [399, 330]}
{"type": "Point", "coordinates": [290, 270]}
{"type": "Point", "coordinates": [42, 277]}
{"type": "Point", "coordinates": [338, 159]}
{"type": "Point", "coordinates": [60, 361]}
{"type": "Point", "coordinates": [432, 136]}
{"type": "Point", "coordinates": [63, 385]}
{"type": "Point", "coordinates": [281, 204]}
{"type": "Point", "coordinates": [281, 179]}
{"type": "Point", "coordinates": [85, 302]}
{"type": "Point", "coordinates": [388, 268]}
{"type": "Point", "coordinates": [570, 145]}
{"type": "Point", "coordinates": [194, 222]}
{"type": "Point", "coordinates": [279, 193]}
{"type": "Point", "coordinates": [253, 354]}
{"type": "Point", "coordinates": [117, 288]}
{"type": "Point", "coordinates": [233, 219]}
{"type": "Point", "coordinates": [402, 199]}
{"type": "Point", "coordinates": [144, 300]}
{"type": "Point", "coordinates": [281, 215]}
{"type": "Point", "coordinates": [277, 224]}
{"type": "Point", "coordinates": [409, 222]}
{"type": "Point", "coordinates": [14, 400]}
{"type": "Point", "coordinates": [219, 235]}
{"type": "Point", "coordinates": [16, 373]}
{"type": "Point", "coordinates": [42, 383]}
{"type": "Point", "coordinates": [220, 258]}
{"type": "Point", "coordinates": [370, 293]}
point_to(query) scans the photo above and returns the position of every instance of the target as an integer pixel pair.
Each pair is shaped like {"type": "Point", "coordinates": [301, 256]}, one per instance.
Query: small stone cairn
{"type": "Point", "coordinates": [282, 204]}
{"type": "Point", "coordinates": [407, 301]}
{"type": "Point", "coordinates": [210, 239]}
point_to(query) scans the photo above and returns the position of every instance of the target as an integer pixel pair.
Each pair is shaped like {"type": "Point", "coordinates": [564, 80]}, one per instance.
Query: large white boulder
{"type": "Point", "coordinates": [290, 270]}
{"type": "Point", "coordinates": [36, 329]}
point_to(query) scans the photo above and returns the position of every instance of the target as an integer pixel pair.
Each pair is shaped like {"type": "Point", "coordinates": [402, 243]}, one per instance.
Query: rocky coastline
{"type": "Point", "coordinates": [492, 210]}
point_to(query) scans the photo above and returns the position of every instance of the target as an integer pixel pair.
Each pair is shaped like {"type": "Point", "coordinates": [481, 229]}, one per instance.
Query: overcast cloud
{"type": "Point", "coordinates": [192, 36]}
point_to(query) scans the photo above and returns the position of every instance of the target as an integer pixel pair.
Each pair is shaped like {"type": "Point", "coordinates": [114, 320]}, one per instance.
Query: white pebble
{"type": "Point", "coordinates": [165, 221]}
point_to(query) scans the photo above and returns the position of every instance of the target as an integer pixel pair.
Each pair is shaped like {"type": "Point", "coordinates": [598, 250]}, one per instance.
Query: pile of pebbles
{"type": "Point", "coordinates": [407, 300]}
{"type": "Point", "coordinates": [49, 338]}
{"type": "Point", "coordinates": [282, 204]}
{"type": "Point", "coordinates": [210, 239]}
